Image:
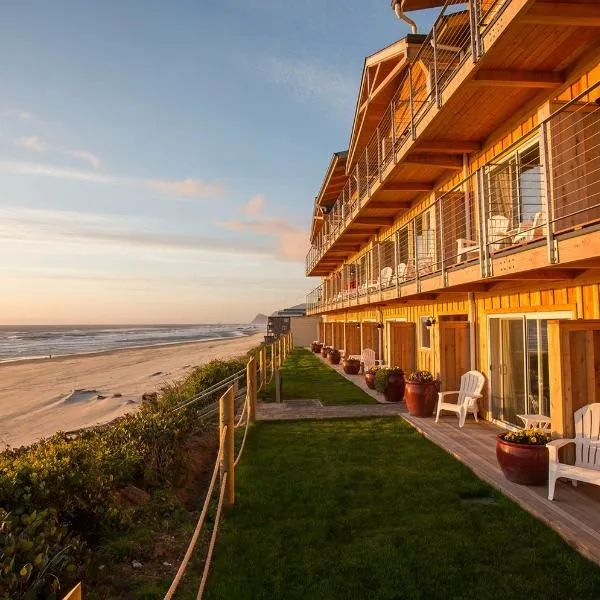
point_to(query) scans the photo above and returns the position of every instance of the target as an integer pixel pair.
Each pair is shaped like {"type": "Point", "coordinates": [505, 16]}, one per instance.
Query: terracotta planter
{"type": "Point", "coordinates": [370, 380]}
{"type": "Point", "coordinates": [351, 366]}
{"type": "Point", "coordinates": [325, 351]}
{"type": "Point", "coordinates": [395, 387]}
{"type": "Point", "coordinates": [334, 359]}
{"type": "Point", "coordinates": [523, 463]}
{"type": "Point", "coordinates": [316, 347]}
{"type": "Point", "coordinates": [420, 398]}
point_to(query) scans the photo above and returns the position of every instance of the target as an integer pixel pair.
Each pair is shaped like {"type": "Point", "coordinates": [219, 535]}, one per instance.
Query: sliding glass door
{"type": "Point", "coordinates": [518, 353]}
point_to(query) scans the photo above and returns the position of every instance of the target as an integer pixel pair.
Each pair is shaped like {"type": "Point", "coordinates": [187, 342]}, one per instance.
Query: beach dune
{"type": "Point", "coordinates": [40, 397]}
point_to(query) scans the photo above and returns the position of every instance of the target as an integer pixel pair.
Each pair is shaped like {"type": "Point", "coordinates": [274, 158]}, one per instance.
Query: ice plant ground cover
{"type": "Point", "coordinates": [369, 508]}
{"type": "Point", "coordinates": [305, 375]}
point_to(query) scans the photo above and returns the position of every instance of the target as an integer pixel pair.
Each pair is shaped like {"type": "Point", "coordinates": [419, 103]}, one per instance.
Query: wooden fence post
{"type": "Point", "coordinates": [227, 419]}
{"type": "Point", "coordinates": [251, 389]}
{"type": "Point", "coordinates": [263, 367]}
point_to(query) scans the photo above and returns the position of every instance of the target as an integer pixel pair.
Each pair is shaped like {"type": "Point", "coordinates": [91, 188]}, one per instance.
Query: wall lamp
{"type": "Point", "coordinates": [379, 325]}
{"type": "Point", "coordinates": [430, 321]}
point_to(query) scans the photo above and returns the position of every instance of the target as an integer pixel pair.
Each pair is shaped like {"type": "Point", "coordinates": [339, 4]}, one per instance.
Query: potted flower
{"type": "Point", "coordinates": [523, 456]}
{"type": "Point", "coordinates": [325, 351]}
{"type": "Point", "coordinates": [351, 366]}
{"type": "Point", "coordinates": [334, 356]}
{"type": "Point", "coordinates": [421, 391]}
{"type": "Point", "coordinates": [370, 376]}
{"type": "Point", "coordinates": [389, 381]}
{"type": "Point", "coordinates": [316, 346]}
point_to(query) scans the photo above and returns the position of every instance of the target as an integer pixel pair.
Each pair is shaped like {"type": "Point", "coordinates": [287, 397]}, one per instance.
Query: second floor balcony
{"type": "Point", "coordinates": [464, 82]}
{"type": "Point", "coordinates": [531, 214]}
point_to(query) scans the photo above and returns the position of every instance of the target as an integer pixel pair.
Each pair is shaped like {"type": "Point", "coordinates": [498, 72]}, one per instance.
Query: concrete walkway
{"type": "Point", "coordinates": [313, 409]}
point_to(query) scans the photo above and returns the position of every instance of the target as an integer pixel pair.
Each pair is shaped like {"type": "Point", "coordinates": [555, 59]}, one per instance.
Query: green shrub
{"type": "Point", "coordinates": [61, 491]}
{"type": "Point", "coordinates": [34, 548]}
{"type": "Point", "coordinates": [381, 377]}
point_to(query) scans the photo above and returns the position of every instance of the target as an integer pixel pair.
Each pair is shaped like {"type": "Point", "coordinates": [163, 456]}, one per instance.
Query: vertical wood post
{"type": "Point", "coordinates": [251, 389]}
{"type": "Point", "coordinates": [263, 367]}
{"type": "Point", "coordinates": [227, 419]}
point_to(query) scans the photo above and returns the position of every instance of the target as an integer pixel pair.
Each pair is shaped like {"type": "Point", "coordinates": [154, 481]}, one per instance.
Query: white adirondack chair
{"type": "Point", "coordinates": [368, 358]}
{"type": "Point", "coordinates": [587, 450]}
{"type": "Point", "coordinates": [497, 231]}
{"type": "Point", "coordinates": [471, 384]}
{"type": "Point", "coordinates": [386, 276]}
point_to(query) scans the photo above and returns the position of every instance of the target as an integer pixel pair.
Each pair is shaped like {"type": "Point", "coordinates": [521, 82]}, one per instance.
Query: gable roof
{"type": "Point", "coordinates": [381, 75]}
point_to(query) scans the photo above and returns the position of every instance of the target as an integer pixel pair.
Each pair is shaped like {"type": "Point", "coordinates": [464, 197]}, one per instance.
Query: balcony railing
{"type": "Point", "coordinates": [456, 36]}
{"type": "Point", "coordinates": [546, 185]}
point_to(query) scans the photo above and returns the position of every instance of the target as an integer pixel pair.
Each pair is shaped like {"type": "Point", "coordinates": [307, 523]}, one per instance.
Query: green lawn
{"type": "Point", "coordinates": [369, 509]}
{"type": "Point", "coordinates": [304, 375]}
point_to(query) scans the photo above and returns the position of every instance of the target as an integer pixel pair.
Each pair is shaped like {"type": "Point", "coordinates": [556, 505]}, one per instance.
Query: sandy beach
{"type": "Point", "coordinates": [33, 394]}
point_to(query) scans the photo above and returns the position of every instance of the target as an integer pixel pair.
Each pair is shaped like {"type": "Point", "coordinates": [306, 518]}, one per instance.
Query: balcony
{"type": "Point", "coordinates": [464, 82]}
{"type": "Point", "coordinates": [531, 214]}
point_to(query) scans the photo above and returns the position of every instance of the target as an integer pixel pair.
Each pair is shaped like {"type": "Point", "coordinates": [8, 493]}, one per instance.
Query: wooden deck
{"type": "Point", "coordinates": [574, 513]}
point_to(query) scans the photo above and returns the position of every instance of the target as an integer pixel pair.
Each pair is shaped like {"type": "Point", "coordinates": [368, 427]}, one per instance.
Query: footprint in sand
{"type": "Point", "coordinates": [157, 373]}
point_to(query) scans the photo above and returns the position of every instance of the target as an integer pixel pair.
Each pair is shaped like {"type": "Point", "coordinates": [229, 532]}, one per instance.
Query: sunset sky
{"type": "Point", "coordinates": [159, 160]}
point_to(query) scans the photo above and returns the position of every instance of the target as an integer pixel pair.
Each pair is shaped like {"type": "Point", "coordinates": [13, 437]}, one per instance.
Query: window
{"type": "Point", "coordinates": [425, 337]}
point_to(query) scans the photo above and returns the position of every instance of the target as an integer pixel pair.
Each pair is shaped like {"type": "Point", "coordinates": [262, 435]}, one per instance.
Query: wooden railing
{"type": "Point", "coordinates": [260, 370]}
{"type": "Point", "coordinates": [543, 187]}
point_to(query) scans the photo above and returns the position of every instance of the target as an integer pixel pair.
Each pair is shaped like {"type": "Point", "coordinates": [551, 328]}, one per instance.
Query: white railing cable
{"type": "Point", "coordinates": [186, 559]}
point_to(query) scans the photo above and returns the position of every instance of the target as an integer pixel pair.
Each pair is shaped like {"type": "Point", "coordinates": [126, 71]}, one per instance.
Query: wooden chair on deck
{"type": "Point", "coordinates": [587, 450]}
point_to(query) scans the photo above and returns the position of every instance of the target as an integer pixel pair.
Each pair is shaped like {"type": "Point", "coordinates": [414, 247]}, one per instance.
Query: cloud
{"type": "Point", "coordinates": [292, 241]}
{"type": "Point", "coordinates": [46, 225]}
{"type": "Point", "coordinates": [86, 156]}
{"type": "Point", "coordinates": [314, 83]}
{"type": "Point", "coordinates": [18, 114]}
{"type": "Point", "coordinates": [189, 188]}
{"type": "Point", "coordinates": [254, 206]}
{"type": "Point", "coordinates": [32, 142]}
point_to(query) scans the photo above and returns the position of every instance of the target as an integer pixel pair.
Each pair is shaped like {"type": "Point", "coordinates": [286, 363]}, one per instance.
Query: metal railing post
{"type": "Point", "coordinates": [474, 27]}
{"type": "Point", "coordinates": [415, 250]}
{"type": "Point", "coordinates": [227, 419]}
{"type": "Point", "coordinates": [379, 158]}
{"type": "Point", "coordinates": [442, 251]}
{"type": "Point", "coordinates": [393, 127]}
{"type": "Point", "coordinates": [435, 73]}
{"type": "Point", "coordinates": [412, 104]}
{"type": "Point", "coordinates": [397, 260]}
{"type": "Point", "coordinates": [367, 169]}
{"type": "Point", "coordinates": [547, 175]}
{"type": "Point", "coordinates": [484, 266]}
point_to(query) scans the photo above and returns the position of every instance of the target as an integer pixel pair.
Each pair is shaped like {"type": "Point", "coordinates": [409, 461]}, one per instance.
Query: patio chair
{"type": "Point", "coordinates": [497, 231]}
{"type": "Point", "coordinates": [471, 384]}
{"type": "Point", "coordinates": [367, 358]}
{"type": "Point", "coordinates": [587, 450]}
{"type": "Point", "coordinates": [528, 231]}
{"type": "Point", "coordinates": [401, 272]}
{"type": "Point", "coordinates": [386, 276]}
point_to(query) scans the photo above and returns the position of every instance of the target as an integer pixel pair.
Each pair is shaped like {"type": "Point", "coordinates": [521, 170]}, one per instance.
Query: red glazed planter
{"type": "Point", "coordinates": [420, 398]}
{"type": "Point", "coordinates": [334, 359]}
{"type": "Point", "coordinates": [523, 463]}
{"type": "Point", "coordinates": [325, 351]}
{"type": "Point", "coordinates": [395, 387]}
{"type": "Point", "coordinates": [370, 380]}
{"type": "Point", "coordinates": [351, 367]}
{"type": "Point", "coordinates": [316, 348]}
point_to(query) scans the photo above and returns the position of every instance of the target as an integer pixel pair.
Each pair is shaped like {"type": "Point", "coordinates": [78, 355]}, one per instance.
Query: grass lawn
{"type": "Point", "coordinates": [304, 375]}
{"type": "Point", "coordinates": [369, 509]}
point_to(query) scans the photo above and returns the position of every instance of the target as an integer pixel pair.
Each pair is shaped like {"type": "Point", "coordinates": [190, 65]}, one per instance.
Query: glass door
{"type": "Point", "coordinates": [519, 367]}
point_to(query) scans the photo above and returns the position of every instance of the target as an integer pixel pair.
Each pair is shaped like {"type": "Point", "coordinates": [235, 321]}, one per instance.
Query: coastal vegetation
{"type": "Point", "coordinates": [64, 497]}
{"type": "Point", "coordinates": [369, 508]}
{"type": "Point", "coordinates": [304, 375]}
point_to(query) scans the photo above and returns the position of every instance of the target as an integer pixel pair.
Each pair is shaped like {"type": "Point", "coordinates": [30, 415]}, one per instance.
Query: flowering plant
{"type": "Point", "coordinates": [533, 437]}
{"type": "Point", "coordinates": [373, 369]}
{"type": "Point", "coordinates": [381, 377]}
{"type": "Point", "coordinates": [420, 377]}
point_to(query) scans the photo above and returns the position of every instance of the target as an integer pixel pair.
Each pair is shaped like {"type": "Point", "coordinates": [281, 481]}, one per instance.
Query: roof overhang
{"type": "Point", "coordinates": [332, 186]}
{"type": "Point", "coordinates": [381, 75]}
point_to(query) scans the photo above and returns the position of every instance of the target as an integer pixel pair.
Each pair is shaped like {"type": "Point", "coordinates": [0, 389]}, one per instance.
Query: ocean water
{"type": "Point", "coordinates": [38, 341]}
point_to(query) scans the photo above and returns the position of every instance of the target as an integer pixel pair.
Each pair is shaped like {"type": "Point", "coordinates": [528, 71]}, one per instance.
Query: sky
{"type": "Point", "coordinates": [159, 160]}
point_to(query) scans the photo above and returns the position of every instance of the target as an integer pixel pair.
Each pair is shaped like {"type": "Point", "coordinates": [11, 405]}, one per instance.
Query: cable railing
{"type": "Point", "coordinates": [543, 187]}
{"type": "Point", "coordinates": [456, 37]}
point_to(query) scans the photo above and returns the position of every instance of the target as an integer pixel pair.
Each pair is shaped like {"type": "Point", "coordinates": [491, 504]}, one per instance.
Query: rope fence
{"type": "Point", "coordinates": [258, 374]}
